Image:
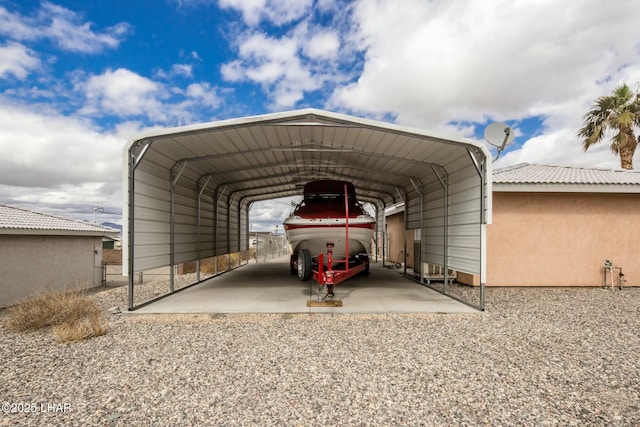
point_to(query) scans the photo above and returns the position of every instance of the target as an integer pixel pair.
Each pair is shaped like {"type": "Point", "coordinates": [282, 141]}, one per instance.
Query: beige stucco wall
{"type": "Point", "coordinates": [562, 239]}
{"type": "Point", "coordinates": [31, 264]}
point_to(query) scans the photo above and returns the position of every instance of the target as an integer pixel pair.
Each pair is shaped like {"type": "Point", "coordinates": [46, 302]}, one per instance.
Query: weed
{"type": "Point", "coordinates": [73, 315]}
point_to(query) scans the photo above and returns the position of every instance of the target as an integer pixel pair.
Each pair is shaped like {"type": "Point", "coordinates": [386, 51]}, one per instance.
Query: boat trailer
{"type": "Point", "coordinates": [302, 263]}
{"type": "Point", "coordinates": [330, 277]}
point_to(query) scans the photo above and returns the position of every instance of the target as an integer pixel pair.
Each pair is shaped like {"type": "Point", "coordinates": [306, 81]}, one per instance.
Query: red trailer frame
{"type": "Point", "coordinates": [331, 277]}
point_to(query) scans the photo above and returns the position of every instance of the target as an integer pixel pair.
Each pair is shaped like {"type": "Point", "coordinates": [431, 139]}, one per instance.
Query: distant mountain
{"type": "Point", "coordinates": [112, 225]}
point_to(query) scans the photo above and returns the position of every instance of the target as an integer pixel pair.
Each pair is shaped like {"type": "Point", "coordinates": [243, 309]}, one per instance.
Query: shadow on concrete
{"type": "Point", "coordinates": [270, 288]}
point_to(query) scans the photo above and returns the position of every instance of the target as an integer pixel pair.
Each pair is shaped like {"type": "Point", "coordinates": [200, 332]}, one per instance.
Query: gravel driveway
{"type": "Point", "coordinates": [535, 357]}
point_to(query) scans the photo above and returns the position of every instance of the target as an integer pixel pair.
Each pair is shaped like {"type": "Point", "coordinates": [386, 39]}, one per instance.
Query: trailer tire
{"type": "Point", "coordinates": [365, 261]}
{"type": "Point", "coordinates": [304, 265]}
{"type": "Point", "coordinates": [293, 260]}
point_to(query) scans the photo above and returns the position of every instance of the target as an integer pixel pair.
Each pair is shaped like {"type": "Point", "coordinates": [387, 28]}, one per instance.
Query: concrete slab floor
{"type": "Point", "coordinates": [270, 288]}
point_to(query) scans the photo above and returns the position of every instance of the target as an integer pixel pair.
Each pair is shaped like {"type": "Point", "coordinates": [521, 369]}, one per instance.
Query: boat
{"type": "Point", "coordinates": [329, 214]}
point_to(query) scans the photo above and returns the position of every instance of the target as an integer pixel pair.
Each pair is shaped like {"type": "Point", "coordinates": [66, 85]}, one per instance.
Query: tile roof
{"type": "Point", "coordinates": [13, 218]}
{"type": "Point", "coordinates": [525, 173]}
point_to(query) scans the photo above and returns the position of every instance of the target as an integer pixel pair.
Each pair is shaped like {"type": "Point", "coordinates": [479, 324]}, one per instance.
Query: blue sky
{"type": "Point", "coordinates": [78, 79]}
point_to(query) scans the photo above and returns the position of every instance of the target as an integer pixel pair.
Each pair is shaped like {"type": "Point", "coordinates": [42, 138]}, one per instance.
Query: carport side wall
{"type": "Point", "coordinates": [562, 239]}
{"type": "Point", "coordinates": [32, 264]}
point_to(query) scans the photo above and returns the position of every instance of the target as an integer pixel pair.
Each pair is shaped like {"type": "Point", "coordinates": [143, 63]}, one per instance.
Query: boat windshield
{"type": "Point", "coordinates": [325, 198]}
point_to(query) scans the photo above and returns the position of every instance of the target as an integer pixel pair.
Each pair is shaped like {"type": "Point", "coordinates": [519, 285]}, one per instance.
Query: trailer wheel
{"type": "Point", "coordinates": [365, 261]}
{"type": "Point", "coordinates": [292, 264]}
{"type": "Point", "coordinates": [304, 265]}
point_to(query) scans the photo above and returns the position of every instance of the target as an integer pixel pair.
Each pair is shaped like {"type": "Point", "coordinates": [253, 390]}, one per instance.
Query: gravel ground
{"type": "Point", "coordinates": [535, 357]}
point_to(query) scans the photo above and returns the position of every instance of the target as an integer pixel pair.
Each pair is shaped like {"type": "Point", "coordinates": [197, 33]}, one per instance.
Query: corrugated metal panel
{"type": "Point", "coordinates": [185, 211]}
{"type": "Point", "coordinates": [464, 229]}
{"type": "Point", "coordinates": [220, 232]}
{"type": "Point", "coordinates": [244, 230]}
{"type": "Point", "coordinates": [207, 223]}
{"type": "Point", "coordinates": [151, 215]}
{"type": "Point", "coordinates": [432, 236]}
{"type": "Point", "coordinates": [233, 227]}
{"type": "Point", "coordinates": [413, 210]}
{"type": "Point", "coordinates": [264, 157]}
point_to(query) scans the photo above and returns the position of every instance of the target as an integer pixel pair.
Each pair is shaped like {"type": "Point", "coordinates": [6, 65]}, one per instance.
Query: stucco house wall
{"type": "Point", "coordinates": [32, 264]}
{"type": "Point", "coordinates": [41, 252]}
{"type": "Point", "coordinates": [562, 239]}
{"type": "Point", "coordinates": [556, 226]}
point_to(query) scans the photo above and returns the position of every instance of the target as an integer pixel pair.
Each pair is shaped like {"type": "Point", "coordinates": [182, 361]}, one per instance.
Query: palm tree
{"type": "Point", "coordinates": [619, 112]}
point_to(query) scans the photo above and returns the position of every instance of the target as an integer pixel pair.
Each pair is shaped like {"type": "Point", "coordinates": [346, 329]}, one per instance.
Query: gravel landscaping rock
{"type": "Point", "coordinates": [534, 357]}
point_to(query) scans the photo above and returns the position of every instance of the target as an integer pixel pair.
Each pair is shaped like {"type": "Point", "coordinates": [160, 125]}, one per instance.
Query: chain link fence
{"type": "Point", "coordinates": [269, 247]}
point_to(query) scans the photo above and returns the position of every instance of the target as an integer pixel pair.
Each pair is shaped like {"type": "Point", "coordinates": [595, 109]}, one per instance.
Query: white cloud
{"type": "Point", "coordinates": [305, 59]}
{"type": "Point", "coordinates": [17, 60]}
{"type": "Point", "coordinates": [49, 159]}
{"type": "Point", "coordinates": [328, 6]}
{"type": "Point", "coordinates": [278, 12]}
{"type": "Point", "coordinates": [431, 63]}
{"type": "Point", "coordinates": [232, 71]}
{"type": "Point", "coordinates": [64, 27]}
{"type": "Point", "coordinates": [275, 64]}
{"type": "Point", "coordinates": [265, 215]}
{"type": "Point", "coordinates": [323, 45]}
{"type": "Point", "coordinates": [184, 70]}
{"type": "Point", "coordinates": [128, 95]}
{"type": "Point", "coordinates": [204, 94]}
{"type": "Point", "coordinates": [123, 93]}
{"type": "Point", "coordinates": [468, 60]}
{"type": "Point", "coordinates": [557, 148]}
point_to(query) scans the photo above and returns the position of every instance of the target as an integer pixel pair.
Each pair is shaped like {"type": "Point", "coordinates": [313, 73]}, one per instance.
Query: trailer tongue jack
{"type": "Point", "coordinates": [335, 274]}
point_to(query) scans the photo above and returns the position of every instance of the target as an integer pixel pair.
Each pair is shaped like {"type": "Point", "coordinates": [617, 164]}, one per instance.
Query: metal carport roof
{"type": "Point", "coordinates": [189, 189]}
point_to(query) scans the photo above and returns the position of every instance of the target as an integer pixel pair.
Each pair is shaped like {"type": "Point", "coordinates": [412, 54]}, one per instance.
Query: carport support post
{"type": "Point", "coordinates": [218, 195]}
{"type": "Point", "coordinates": [132, 171]}
{"type": "Point", "coordinates": [200, 191]}
{"type": "Point", "coordinates": [442, 176]}
{"type": "Point", "coordinates": [230, 200]}
{"type": "Point", "coordinates": [171, 232]}
{"type": "Point", "coordinates": [483, 232]}
{"type": "Point", "coordinates": [132, 162]}
{"type": "Point", "coordinates": [175, 176]}
{"type": "Point", "coordinates": [239, 231]}
{"type": "Point", "coordinates": [480, 162]}
{"type": "Point", "coordinates": [404, 227]}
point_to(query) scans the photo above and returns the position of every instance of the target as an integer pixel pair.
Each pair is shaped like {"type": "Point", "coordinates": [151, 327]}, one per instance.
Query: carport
{"type": "Point", "coordinates": [189, 189]}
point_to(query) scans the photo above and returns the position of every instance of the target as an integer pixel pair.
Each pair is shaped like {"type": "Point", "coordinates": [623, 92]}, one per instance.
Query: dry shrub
{"type": "Point", "coordinates": [79, 329]}
{"type": "Point", "coordinates": [208, 265]}
{"type": "Point", "coordinates": [223, 263]}
{"type": "Point", "coordinates": [65, 311]}
{"type": "Point", "coordinates": [227, 262]}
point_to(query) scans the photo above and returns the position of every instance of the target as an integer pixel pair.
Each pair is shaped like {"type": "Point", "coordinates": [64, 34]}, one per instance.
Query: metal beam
{"type": "Point", "coordinates": [202, 186]}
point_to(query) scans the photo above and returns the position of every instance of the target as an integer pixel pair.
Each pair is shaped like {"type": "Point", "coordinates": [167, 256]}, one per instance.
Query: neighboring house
{"type": "Point", "coordinates": [111, 242]}
{"type": "Point", "coordinates": [40, 252]}
{"type": "Point", "coordinates": [554, 226]}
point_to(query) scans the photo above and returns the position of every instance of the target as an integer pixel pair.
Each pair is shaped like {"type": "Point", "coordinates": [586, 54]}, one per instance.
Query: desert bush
{"type": "Point", "coordinates": [208, 265]}
{"type": "Point", "coordinates": [226, 262]}
{"type": "Point", "coordinates": [64, 311]}
{"type": "Point", "coordinates": [79, 329]}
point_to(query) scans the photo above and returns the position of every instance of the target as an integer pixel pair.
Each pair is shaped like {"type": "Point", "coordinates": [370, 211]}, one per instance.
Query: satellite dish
{"type": "Point", "coordinates": [499, 135]}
